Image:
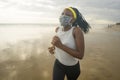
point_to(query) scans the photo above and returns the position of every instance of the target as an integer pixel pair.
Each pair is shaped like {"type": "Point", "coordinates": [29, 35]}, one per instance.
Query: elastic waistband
{"type": "Point", "coordinates": [58, 62]}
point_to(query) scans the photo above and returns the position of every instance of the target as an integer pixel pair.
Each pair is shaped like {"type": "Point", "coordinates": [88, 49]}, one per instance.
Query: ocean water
{"type": "Point", "coordinates": [21, 41]}
{"type": "Point", "coordinates": [13, 33]}
{"type": "Point", "coordinates": [24, 51]}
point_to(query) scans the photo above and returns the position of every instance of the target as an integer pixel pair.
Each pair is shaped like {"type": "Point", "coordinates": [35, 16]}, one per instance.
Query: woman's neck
{"type": "Point", "coordinates": [66, 28]}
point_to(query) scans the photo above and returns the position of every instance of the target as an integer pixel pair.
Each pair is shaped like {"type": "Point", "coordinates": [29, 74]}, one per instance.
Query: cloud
{"type": "Point", "coordinates": [95, 11]}
{"type": "Point", "coordinates": [36, 10]}
{"type": "Point", "coordinates": [29, 4]}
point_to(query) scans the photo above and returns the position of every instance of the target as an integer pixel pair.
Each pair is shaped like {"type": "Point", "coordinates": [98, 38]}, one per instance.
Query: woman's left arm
{"type": "Point", "coordinates": [79, 40]}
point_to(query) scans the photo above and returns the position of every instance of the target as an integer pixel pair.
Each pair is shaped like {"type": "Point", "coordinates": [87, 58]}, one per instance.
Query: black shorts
{"type": "Point", "coordinates": [60, 70]}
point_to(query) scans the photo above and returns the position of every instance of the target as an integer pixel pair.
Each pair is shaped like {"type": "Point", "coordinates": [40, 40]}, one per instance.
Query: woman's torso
{"type": "Point", "coordinates": [68, 40]}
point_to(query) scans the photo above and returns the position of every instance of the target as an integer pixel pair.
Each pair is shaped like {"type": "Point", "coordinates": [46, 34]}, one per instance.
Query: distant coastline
{"type": "Point", "coordinates": [44, 24]}
{"type": "Point", "coordinates": [115, 27]}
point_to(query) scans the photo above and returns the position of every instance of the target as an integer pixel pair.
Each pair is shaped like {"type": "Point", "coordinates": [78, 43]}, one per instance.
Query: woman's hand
{"type": "Point", "coordinates": [51, 49]}
{"type": "Point", "coordinates": [56, 42]}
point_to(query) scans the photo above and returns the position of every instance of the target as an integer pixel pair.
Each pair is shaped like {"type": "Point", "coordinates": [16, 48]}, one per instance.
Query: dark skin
{"type": "Point", "coordinates": [78, 36]}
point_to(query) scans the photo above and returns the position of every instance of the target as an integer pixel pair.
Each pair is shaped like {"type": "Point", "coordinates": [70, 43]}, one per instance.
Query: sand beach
{"type": "Point", "coordinates": [29, 59]}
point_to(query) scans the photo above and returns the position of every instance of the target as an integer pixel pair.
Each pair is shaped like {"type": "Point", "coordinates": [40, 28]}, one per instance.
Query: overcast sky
{"type": "Point", "coordinates": [48, 11]}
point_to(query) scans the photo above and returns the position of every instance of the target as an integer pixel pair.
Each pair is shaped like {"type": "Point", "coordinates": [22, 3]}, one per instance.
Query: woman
{"type": "Point", "coordinates": [68, 44]}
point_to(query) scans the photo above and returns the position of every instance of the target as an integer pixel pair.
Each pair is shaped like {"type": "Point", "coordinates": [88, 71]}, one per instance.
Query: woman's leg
{"type": "Point", "coordinates": [58, 71]}
{"type": "Point", "coordinates": [73, 72]}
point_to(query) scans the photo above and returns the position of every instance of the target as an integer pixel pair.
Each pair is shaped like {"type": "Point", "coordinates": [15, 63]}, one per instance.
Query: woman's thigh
{"type": "Point", "coordinates": [58, 71]}
{"type": "Point", "coordinates": [73, 72]}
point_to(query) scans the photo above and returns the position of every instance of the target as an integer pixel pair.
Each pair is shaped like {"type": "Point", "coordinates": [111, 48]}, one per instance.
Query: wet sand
{"type": "Point", "coordinates": [101, 61]}
{"type": "Point", "coordinates": [30, 60]}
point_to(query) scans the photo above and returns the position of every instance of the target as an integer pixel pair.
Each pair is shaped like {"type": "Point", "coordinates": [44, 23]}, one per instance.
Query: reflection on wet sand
{"type": "Point", "coordinates": [32, 66]}
{"type": "Point", "coordinates": [30, 60]}
{"type": "Point", "coordinates": [26, 60]}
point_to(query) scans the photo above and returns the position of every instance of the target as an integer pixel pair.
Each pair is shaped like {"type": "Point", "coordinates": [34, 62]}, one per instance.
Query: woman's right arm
{"type": "Point", "coordinates": [52, 48]}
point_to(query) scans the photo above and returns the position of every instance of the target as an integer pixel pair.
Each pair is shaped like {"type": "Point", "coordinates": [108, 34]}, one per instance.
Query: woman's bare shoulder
{"type": "Point", "coordinates": [77, 30]}
{"type": "Point", "coordinates": [56, 29]}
